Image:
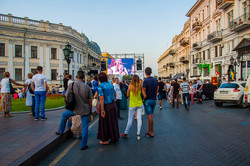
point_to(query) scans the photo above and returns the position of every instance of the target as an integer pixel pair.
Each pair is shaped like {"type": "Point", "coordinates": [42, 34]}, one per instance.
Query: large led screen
{"type": "Point", "coordinates": [120, 66]}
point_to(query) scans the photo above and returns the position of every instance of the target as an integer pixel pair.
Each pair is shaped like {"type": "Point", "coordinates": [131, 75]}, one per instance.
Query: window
{"type": "Point", "coordinates": [220, 49]}
{"type": "Point", "coordinates": [73, 74]}
{"type": "Point", "coordinates": [204, 55]}
{"type": "Point", "coordinates": [245, 10]}
{"type": "Point", "coordinates": [2, 70]}
{"type": "Point", "coordinates": [230, 18]}
{"type": "Point", "coordinates": [53, 53]}
{"type": "Point", "coordinates": [203, 15]}
{"type": "Point", "coordinates": [18, 74]}
{"type": "Point", "coordinates": [195, 71]}
{"type": "Point", "coordinates": [33, 71]}
{"type": "Point", "coordinates": [80, 59]}
{"type": "Point", "coordinates": [207, 11]}
{"type": "Point", "coordinates": [218, 25]}
{"type": "Point", "coordinates": [208, 30]}
{"type": "Point", "coordinates": [216, 51]}
{"type": "Point", "coordinates": [203, 34]}
{"type": "Point", "coordinates": [83, 59]}
{"type": "Point", "coordinates": [33, 51]}
{"type": "Point", "coordinates": [228, 47]}
{"type": "Point", "coordinates": [208, 54]}
{"type": "Point", "coordinates": [18, 50]}
{"type": "Point", "coordinates": [77, 58]}
{"type": "Point", "coordinates": [53, 74]}
{"type": "Point", "coordinates": [2, 49]}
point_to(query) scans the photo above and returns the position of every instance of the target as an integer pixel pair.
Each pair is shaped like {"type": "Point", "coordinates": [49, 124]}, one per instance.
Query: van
{"type": "Point", "coordinates": [247, 93]}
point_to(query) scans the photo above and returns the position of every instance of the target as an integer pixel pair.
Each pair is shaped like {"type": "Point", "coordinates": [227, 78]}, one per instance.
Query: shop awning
{"type": "Point", "coordinates": [243, 45]}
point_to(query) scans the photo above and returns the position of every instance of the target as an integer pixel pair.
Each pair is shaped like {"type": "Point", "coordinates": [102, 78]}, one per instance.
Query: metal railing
{"type": "Point", "coordinates": [216, 34]}
{"type": "Point", "coordinates": [240, 20]}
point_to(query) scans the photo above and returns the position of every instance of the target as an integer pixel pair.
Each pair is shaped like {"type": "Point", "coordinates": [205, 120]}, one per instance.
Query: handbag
{"type": "Point", "coordinates": [70, 102]}
{"type": "Point", "coordinates": [12, 90]}
{"type": "Point", "coordinates": [30, 89]}
{"type": "Point", "coordinates": [94, 102]}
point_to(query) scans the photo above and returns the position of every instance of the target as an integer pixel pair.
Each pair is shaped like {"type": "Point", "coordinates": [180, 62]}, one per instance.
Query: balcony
{"type": "Point", "coordinates": [197, 46]}
{"type": "Point", "coordinates": [184, 59]}
{"type": "Point", "coordinates": [172, 52]}
{"type": "Point", "coordinates": [197, 25]}
{"type": "Point", "coordinates": [223, 4]}
{"type": "Point", "coordinates": [184, 41]}
{"type": "Point", "coordinates": [171, 65]}
{"type": "Point", "coordinates": [215, 36]}
{"type": "Point", "coordinates": [240, 23]}
{"type": "Point", "coordinates": [196, 61]}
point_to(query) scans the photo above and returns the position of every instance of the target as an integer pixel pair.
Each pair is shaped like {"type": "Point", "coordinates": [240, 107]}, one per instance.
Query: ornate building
{"type": "Point", "coordinates": [26, 43]}
{"type": "Point", "coordinates": [215, 29]}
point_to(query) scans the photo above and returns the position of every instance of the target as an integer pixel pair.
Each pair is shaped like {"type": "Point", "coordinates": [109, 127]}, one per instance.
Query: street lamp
{"type": "Point", "coordinates": [68, 54]}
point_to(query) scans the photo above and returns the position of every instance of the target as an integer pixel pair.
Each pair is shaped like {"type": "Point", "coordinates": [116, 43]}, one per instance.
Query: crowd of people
{"type": "Point", "coordinates": [112, 96]}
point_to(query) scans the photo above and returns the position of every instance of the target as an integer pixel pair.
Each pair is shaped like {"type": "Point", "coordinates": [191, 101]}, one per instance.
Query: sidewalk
{"type": "Point", "coordinates": [21, 136]}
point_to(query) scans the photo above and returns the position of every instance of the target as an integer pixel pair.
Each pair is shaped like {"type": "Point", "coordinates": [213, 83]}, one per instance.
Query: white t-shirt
{"type": "Point", "coordinates": [5, 85]}
{"type": "Point", "coordinates": [117, 91]}
{"type": "Point", "coordinates": [39, 80]}
{"type": "Point", "coordinates": [69, 82]}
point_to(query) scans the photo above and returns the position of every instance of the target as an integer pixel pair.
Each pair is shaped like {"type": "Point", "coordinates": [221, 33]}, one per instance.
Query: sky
{"type": "Point", "coordinates": [131, 26]}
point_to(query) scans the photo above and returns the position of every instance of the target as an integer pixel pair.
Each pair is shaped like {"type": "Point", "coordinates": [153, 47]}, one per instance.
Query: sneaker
{"type": "Point", "coordinates": [44, 118]}
{"type": "Point", "coordinates": [138, 137]}
{"type": "Point", "coordinates": [124, 135]}
{"type": "Point", "coordinates": [36, 119]}
{"type": "Point", "coordinates": [160, 108]}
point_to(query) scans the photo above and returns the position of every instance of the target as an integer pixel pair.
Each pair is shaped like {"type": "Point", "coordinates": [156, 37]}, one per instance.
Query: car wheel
{"type": "Point", "coordinates": [242, 104]}
{"type": "Point", "coordinates": [218, 104]}
{"type": "Point", "coordinates": [203, 97]}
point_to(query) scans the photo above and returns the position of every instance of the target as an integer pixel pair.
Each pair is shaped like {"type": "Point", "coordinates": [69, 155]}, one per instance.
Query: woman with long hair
{"type": "Point", "coordinates": [135, 93]}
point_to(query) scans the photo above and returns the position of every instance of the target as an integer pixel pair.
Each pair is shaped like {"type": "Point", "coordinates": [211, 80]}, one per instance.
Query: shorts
{"type": "Point", "coordinates": [149, 106]}
{"type": "Point", "coordinates": [160, 96]}
{"type": "Point", "coordinates": [198, 95]}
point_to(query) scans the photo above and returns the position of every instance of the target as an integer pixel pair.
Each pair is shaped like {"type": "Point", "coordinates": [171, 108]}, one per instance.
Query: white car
{"type": "Point", "coordinates": [231, 92]}
{"type": "Point", "coordinates": [247, 94]}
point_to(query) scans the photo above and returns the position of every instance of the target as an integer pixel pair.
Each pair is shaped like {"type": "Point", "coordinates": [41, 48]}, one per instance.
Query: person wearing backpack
{"type": "Point", "coordinates": [30, 97]}
{"type": "Point", "coordinates": [78, 102]}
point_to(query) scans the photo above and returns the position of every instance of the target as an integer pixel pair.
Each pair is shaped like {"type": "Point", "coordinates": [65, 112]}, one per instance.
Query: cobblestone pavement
{"type": "Point", "coordinates": [206, 135]}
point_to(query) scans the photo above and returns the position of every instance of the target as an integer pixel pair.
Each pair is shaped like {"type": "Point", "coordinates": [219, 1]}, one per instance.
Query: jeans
{"type": "Point", "coordinates": [186, 95]}
{"type": "Point", "coordinates": [85, 125]}
{"type": "Point", "coordinates": [40, 98]}
{"type": "Point", "coordinates": [33, 105]}
{"type": "Point", "coordinates": [118, 103]}
{"type": "Point", "coordinates": [131, 114]}
{"type": "Point", "coordinates": [149, 106]}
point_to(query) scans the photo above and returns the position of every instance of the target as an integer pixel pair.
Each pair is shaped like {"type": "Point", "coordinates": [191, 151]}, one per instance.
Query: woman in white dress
{"type": "Point", "coordinates": [28, 94]}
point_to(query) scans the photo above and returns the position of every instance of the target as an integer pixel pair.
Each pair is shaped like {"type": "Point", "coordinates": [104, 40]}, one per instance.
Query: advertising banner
{"type": "Point", "coordinates": [120, 66]}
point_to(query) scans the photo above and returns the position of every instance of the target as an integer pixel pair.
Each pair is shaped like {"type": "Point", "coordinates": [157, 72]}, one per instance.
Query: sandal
{"type": "Point", "coordinates": [104, 143]}
{"type": "Point", "coordinates": [148, 135]}
{"type": "Point", "coordinates": [124, 135]}
{"type": "Point", "coordinates": [57, 133]}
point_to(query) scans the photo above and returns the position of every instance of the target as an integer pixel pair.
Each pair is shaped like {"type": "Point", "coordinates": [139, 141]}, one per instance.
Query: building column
{"type": "Point", "coordinates": [76, 64]}
{"type": "Point", "coordinates": [41, 54]}
{"type": "Point", "coordinates": [47, 62]}
{"type": "Point", "coordinates": [10, 65]}
{"type": "Point", "coordinates": [27, 66]}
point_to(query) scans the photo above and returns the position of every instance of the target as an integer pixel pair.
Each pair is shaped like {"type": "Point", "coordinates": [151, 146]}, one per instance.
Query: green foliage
{"type": "Point", "coordinates": [127, 78]}
{"type": "Point", "coordinates": [52, 101]}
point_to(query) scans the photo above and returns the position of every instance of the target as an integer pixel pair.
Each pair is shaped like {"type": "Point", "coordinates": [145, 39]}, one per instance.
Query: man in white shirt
{"type": "Point", "coordinates": [70, 79]}
{"type": "Point", "coordinates": [167, 87]}
{"type": "Point", "coordinates": [40, 87]}
{"type": "Point", "coordinates": [118, 96]}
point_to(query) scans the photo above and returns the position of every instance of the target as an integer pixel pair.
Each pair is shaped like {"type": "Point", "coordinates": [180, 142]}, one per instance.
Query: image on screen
{"type": "Point", "coordinates": [120, 66]}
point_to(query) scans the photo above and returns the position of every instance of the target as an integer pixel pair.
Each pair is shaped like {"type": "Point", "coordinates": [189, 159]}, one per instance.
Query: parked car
{"type": "Point", "coordinates": [231, 92]}
{"type": "Point", "coordinates": [247, 93]}
{"type": "Point", "coordinates": [207, 91]}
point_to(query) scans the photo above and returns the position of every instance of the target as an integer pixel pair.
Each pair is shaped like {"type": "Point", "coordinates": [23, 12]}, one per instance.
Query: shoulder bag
{"type": "Point", "coordinates": [70, 101]}
{"type": "Point", "coordinates": [12, 90]}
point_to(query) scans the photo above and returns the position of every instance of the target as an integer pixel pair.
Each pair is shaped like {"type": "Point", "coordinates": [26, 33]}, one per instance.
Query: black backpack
{"type": "Point", "coordinates": [70, 101]}
{"type": "Point", "coordinates": [30, 89]}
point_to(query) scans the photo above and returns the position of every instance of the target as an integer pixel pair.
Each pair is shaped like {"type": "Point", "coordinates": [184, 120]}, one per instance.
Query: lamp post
{"type": "Point", "coordinates": [68, 54]}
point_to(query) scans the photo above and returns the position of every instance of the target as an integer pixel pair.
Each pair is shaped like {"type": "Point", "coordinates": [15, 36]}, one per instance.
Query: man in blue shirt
{"type": "Point", "coordinates": [185, 87]}
{"type": "Point", "coordinates": [150, 86]}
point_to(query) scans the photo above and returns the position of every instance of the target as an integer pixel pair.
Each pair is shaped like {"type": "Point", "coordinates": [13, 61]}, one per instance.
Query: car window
{"type": "Point", "coordinates": [229, 85]}
{"type": "Point", "coordinates": [243, 84]}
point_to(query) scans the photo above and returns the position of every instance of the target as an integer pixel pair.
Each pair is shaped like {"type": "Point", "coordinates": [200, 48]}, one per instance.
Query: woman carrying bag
{"type": "Point", "coordinates": [136, 94]}
{"type": "Point", "coordinates": [6, 89]}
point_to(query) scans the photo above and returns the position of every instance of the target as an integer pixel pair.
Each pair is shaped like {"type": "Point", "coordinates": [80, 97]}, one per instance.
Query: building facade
{"type": "Point", "coordinates": [216, 28]}
{"type": "Point", "coordinates": [26, 44]}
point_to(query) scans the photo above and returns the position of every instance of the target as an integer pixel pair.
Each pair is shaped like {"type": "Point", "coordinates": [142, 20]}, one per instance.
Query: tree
{"type": "Point", "coordinates": [127, 78]}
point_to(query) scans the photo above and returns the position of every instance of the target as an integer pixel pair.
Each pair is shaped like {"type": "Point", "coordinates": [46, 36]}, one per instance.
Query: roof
{"type": "Point", "coordinates": [193, 8]}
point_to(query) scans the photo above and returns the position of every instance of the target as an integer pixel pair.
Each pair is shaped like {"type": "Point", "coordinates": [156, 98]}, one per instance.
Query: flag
{"type": "Point", "coordinates": [217, 73]}
{"type": "Point", "coordinates": [232, 74]}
